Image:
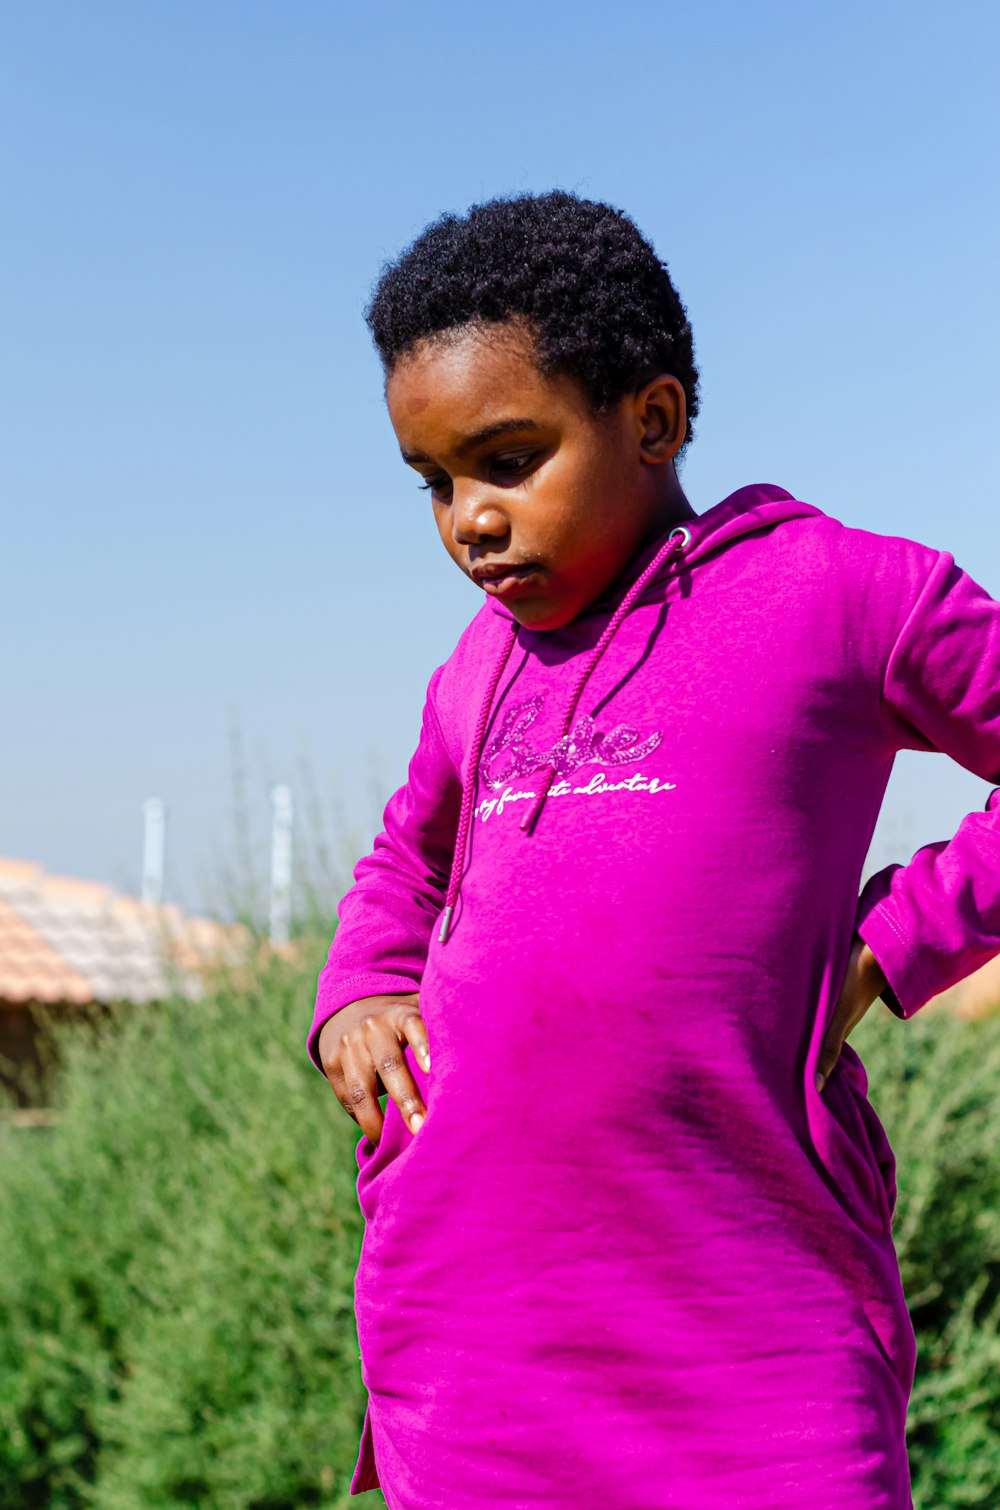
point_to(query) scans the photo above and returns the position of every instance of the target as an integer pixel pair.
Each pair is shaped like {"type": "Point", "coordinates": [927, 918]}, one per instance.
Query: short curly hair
{"type": "Point", "coordinates": [599, 302]}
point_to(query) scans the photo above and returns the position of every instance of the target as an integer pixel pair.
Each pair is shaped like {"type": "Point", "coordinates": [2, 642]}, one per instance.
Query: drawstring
{"type": "Point", "coordinates": [469, 788]}
{"type": "Point", "coordinates": [678, 539]}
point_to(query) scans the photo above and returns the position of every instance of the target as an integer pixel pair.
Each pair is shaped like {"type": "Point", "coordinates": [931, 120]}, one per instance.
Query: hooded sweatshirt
{"type": "Point", "coordinates": [633, 1259]}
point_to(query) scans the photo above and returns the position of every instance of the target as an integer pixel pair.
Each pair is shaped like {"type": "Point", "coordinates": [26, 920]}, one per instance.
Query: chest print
{"type": "Point", "coordinates": [510, 753]}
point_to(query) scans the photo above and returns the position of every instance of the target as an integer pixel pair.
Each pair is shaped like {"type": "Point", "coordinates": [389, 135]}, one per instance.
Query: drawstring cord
{"type": "Point", "coordinates": [678, 539]}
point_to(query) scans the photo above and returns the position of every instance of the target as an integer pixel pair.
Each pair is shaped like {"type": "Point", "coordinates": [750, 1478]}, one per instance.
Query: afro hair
{"type": "Point", "coordinates": [598, 301]}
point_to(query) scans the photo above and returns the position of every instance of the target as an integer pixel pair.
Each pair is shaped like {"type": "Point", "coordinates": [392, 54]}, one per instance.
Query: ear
{"type": "Point", "coordinates": [660, 410]}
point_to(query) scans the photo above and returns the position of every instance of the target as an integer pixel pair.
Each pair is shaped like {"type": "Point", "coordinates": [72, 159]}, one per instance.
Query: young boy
{"type": "Point", "coordinates": [628, 1243]}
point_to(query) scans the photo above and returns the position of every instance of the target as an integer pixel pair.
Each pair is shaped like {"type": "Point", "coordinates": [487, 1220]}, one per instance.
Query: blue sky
{"type": "Point", "coordinates": [205, 517]}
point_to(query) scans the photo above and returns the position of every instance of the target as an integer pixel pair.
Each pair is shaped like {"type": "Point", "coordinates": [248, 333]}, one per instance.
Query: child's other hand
{"type": "Point", "coordinates": [361, 1048]}
{"type": "Point", "coordinates": [863, 984]}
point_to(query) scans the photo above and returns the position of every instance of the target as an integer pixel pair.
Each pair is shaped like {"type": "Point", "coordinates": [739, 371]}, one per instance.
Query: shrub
{"type": "Point", "coordinates": [935, 1082]}
{"type": "Point", "coordinates": [176, 1322]}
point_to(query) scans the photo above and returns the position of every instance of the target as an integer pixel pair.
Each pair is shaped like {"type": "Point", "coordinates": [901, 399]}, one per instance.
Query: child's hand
{"type": "Point", "coordinates": [361, 1050]}
{"type": "Point", "coordinates": [863, 984]}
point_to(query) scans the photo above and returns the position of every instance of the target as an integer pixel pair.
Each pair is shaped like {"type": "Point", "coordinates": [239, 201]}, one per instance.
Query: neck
{"type": "Point", "coordinates": [669, 506]}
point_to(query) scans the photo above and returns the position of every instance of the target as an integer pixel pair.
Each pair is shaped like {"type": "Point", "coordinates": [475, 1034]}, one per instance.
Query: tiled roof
{"type": "Point", "coordinates": [65, 940]}
{"type": "Point", "coordinates": [978, 995]}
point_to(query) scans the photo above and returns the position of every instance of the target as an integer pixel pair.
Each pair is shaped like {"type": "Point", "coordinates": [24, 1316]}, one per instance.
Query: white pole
{"type": "Point", "coordinates": [281, 865]}
{"type": "Point", "coordinates": [153, 847]}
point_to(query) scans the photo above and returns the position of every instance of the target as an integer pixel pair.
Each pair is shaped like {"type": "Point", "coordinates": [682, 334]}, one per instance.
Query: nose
{"type": "Point", "coordinates": [476, 518]}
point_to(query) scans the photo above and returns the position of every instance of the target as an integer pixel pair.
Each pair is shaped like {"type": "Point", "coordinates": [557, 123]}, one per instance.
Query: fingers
{"type": "Point", "coordinates": [828, 1055]}
{"type": "Point", "coordinates": [355, 1082]}
{"type": "Point", "coordinates": [845, 1017]}
{"type": "Point", "coordinates": [416, 1036]}
{"type": "Point", "coordinates": [369, 1054]}
{"type": "Point", "coordinates": [393, 1069]}
{"type": "Point", "coordinates": [862, 984]}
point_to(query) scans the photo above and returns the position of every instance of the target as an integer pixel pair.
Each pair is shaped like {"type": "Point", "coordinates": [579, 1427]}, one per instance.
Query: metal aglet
{"type": "Point", "coordinates": [445, 924]}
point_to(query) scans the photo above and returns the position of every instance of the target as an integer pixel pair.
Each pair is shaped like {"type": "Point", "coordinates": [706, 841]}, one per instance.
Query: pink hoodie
{"type": "Point", "coordinates": [633, 1260]}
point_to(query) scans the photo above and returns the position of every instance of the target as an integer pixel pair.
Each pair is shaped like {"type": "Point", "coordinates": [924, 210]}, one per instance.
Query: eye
{"type": "Point", "coordinates": [436, 486]}
{"type": "Point", "coordinates": [513, 468]}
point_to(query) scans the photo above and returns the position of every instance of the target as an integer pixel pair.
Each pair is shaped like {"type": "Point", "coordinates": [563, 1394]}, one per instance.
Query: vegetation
{"type": "Point", "coordinates": [935, 1082]}
{"type": "Point", "coordinates": [176, 1321]}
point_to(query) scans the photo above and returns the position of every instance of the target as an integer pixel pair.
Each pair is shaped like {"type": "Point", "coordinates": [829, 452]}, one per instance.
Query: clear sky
{"type": "Point", "coordinates": [205, 518]}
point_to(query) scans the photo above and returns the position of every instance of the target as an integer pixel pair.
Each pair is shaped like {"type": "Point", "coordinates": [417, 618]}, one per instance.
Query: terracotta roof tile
{"type": "Point", "coordinates": [30, 969]}
{"type": "Point", "coordinates": [63, 939]}
{"type": "Point", "coordinates": [978, 995]}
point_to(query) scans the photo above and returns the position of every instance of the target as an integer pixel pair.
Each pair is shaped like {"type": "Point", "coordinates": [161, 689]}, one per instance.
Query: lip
{"type": "Point", "coordinates": [503, 581]}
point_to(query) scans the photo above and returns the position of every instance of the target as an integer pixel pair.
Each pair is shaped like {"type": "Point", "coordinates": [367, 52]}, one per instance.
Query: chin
{"type": "Point", "coordinates": [543, 616]}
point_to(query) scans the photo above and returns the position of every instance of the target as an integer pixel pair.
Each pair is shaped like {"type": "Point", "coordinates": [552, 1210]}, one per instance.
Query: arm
{"type": "Point", "coordinates": [932, 922]}
{"type": "Point", "coordinates": [387, 918]}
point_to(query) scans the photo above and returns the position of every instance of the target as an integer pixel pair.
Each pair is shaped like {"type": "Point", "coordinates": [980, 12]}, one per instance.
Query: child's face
{"type": "Point", "coordinates": [539, 501]}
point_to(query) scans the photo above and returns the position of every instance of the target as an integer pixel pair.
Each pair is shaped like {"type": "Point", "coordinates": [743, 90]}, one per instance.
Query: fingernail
{"type": "Point", "coordinates": [820, 1080]}
{"type": "Point", "coordinates": [416, 1122]}
{"type": "Point", "coordinates": [426, 1060]}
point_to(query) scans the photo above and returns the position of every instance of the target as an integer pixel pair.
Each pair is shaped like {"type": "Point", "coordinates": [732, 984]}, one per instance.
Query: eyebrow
{"type": "Point", "coordinates": [477, 438]}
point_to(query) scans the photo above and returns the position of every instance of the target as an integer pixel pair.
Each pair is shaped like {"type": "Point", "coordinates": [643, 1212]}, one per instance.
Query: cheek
{"type": "Point", "coordinates": [442, 522]}
{"type": "Point", "coordinates": [581, 504]}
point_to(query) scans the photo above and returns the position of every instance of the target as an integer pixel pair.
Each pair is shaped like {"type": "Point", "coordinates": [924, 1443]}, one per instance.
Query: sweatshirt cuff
{"type": "Point", "coordinates": [879, 926]}
{"type": "Point", "coordinates": [332, 995]}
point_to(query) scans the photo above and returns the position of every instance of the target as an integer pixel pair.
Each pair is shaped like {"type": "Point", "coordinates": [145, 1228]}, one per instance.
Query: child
{"type": "Point", "coordinates": [628, 1240]}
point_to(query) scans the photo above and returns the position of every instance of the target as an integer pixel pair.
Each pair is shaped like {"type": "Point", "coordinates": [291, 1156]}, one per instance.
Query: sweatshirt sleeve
{"type": "Point", "coordinates": [387, 918]}
{"type": "Point", "coordinates": [933, 921]}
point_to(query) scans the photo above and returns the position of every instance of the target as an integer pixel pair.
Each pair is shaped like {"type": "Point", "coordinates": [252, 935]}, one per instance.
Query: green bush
{"type": "Point", "coordinates": [176, 1321]}
{"type": "Point", "coordinates": [935, 1082]}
